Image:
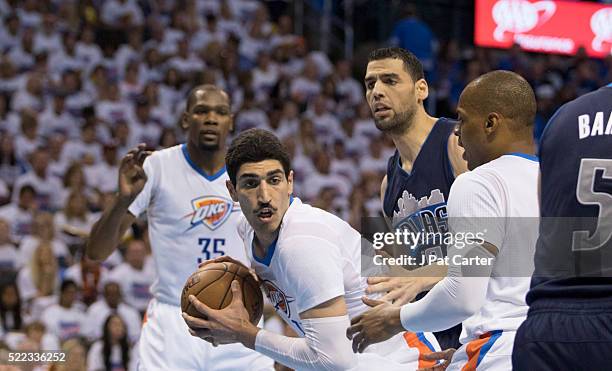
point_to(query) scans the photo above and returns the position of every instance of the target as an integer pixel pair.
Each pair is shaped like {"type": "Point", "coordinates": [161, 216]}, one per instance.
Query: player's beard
{"type": "Point", "coordinates": [398, 124]}
{"type": "Point", "coordinates": [209, 147]}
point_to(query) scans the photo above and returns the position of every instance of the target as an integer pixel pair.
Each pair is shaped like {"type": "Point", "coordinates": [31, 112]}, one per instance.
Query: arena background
{"type": "Point", "coordinates": [81, 82]}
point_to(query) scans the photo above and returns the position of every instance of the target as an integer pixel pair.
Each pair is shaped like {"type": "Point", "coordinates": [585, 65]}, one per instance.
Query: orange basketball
{"type": "Point", "coordinates": [212, 286]}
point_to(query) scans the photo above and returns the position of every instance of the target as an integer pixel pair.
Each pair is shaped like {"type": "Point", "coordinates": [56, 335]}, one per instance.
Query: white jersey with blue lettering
{"type": "Point", "coordinates": [191, 219]}
{"type": "Point", "coordinates": [317, 257]}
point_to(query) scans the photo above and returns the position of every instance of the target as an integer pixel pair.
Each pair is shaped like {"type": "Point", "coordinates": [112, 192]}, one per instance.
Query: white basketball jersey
{"type": "Point", "coordinates": [506, 191]}
{"type": "Point", "coordinates": [315, 258]}
{"type": "Point", "coordinates": [191, 219]}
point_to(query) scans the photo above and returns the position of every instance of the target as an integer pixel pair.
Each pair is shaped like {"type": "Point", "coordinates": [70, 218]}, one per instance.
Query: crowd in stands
{"type": "Point", "coordinates": [81, 82]}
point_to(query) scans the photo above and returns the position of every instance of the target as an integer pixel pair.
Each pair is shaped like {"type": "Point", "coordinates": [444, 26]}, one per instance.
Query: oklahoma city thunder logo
{"type": "Point", "coordinates": [279, 300]}
{"type": "Point", "coordinates": [211, 211]}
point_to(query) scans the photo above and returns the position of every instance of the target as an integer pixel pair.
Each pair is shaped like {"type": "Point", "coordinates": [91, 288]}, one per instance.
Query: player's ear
{"type": "Point", "coordinates": [492, 122]}
{"type": "Point", "coordinates": [290, 182]}
{"type": "Point", "coordinates": [232, 190]}
{"type": "Point", "coordinates": [421, 90]}
{"type": "Point", "coordinates": [184, 124]}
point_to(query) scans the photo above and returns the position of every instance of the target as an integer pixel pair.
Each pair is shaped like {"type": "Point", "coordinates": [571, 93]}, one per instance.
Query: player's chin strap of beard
{"type": "Point", "coordinates": [323, 347]}
{"type": "Point", "coordinates": [457, 297]}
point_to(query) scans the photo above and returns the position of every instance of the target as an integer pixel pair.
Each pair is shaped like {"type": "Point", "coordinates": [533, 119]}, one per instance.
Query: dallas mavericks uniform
{"type": "Point", "coordinates": [417, 200]}
{"type": "Point", "coordinates": [508, 217]}
{"type": "Point", "coordinates": [568, 326]}
{"type": "Point", "coordinates": [191, 219]}
{"type": "Point", "coordinates": [317, 257]}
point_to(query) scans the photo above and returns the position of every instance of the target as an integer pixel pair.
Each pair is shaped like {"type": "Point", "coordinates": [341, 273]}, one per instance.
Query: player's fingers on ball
{"type": "Point", "coordinates": [375, 280]}
{"type": "Point", "coordinates": [194, 322]}
{"type": "Point", "coordinates": [236, 291]}
{"type": "Point", "coordinates": [199, 306]}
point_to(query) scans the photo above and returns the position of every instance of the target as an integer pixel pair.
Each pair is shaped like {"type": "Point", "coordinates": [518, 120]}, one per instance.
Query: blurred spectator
{"type": "Point", "coordinates": [306, 86]}
{"type": "Point", "coordinates": [76, 356]}
{"type": "Point", "coordinates": [121, 13]}
{"type": "Point", "coordinates": [75, 221]}
{"type": "Point", "coordinates": [28, 139]}
{"type": "Point", "coordinates": [103, 175]}
{"type": "Point", "coordinates": [47, 187]}
{"type": "Point", "coordinates": [113, 351]}
{"type": "Point", "coordinates": [414, 35]}
{"type": "Point", "coordinates": [35, 338]}
{"type": "Point", "coordinates": [112, 303]}
{"type": "Point", "coordinates": [31, 95]}
{"type": "Point", "coordinates": [43, 231]}
{"type": "Point", "coordinates": [20, 213]}
{"type": "Point", "coordinates": [87, 148]}
{"type": "Point", "coordinates": [40, 278]}
{"type": "Point", "coordinates": [144, 127]}
{"type": "Point", "coordinates": [8, 251]}
{"type": "Point", "coordinates": [135, 275]}
{"type": "Point", "coordinates": [11, 166]}
{"type": "Point", "coordinates": [324, 178]}
{"type": "Point", "coordinates": [90, 276]}
{"type": "Point", "coordinates": [56, 118]}
{"type": "Point", "coordinates": [10, 309]}
{"type": "Point", "coordinates": [66, 319]}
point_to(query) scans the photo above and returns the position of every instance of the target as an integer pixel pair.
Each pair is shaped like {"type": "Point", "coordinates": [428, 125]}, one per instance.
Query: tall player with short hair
{"type": "Point", "coordinates": [420, 173]}
{"type": "Point", "coordinates": [191, 219]}
{"type": "Point", "coordinates": [309, 264]}
{"type": "Point", "coordinates": [497, 199]}
{"type": "Point", "coordinates": [570, 300]}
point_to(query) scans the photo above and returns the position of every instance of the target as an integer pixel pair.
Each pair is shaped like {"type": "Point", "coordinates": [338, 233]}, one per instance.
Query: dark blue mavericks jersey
{"type": "Point", "coordinates": [417, 200]}
{"type": "Point", "coordinates": [573, 257]}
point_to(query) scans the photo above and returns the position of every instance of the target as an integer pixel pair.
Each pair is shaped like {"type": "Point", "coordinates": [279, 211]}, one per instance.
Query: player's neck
{"type": "Point", "coordinates": [409, 142]}
{"type": "Point", "coordinates": [208, 161]}
{"type": "Point", "coordinates": [263, 241]}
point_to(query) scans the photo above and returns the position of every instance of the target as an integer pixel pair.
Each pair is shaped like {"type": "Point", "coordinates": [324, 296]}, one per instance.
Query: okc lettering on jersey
{"type": "Point", "coordinates": [211, 211]}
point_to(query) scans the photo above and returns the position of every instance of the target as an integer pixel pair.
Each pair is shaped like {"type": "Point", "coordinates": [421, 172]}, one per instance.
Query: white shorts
{"type": "Point", "coordinates": [491, 351]}
{"type": "Point", "coordinates": [403, 352]}
{"type": "Point", "coordinates": [165, 344]}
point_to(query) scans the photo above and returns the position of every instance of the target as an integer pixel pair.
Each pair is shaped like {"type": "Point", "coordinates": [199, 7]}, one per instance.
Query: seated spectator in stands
{"type": "Point", "coordinates": [40, 278]}
{"type": "Point", "coordinates": [100, 176]}
{"type": "Point", "coordinates": [112, 303]}
{"type": "Point", "coordinates": [86, 149]}
{"type": "Point", "coordinates": [34, 338]}
{"type": "Point", "coordinates": [135, 275]}
{"type": "Point", "coordinates": [113, 351]}
{"type": "Point", "coordinates": [121, 14]}
{"type": "Point", "coordinates": [145, 128]}
{"type": "Point", "coordinates": [56, 118]}
{"type": "Point", "coordinates": [66, 319]}
{"type": "Point", "coordinates": [43, 231]}
{"type": "Point", "coordinates": [11, 166]}
{"type": "Point", "coordinates": [28, 138]}
{"type": "Point", "coordinates": [75, 221]}
{"type": "Point", "coordinates": [323, 177]}
{"type": "Point", "coordinates": [8, 251]}
{"type": "Point", "coordinates": [74, 181]}
{"type": "Point", "coordinates": [90, 276]}
{"type": "Point", "coordinates": [76, 356]}
{"type": "Point", "coordinates": [307, 85]}
{"type": "Point", "coordinates": [30, 96]}
{"type": "Point", "coordinates": [47, 187]}
{"type": "Point", "coordinates": [167, 139]}
{"type": "Point", "coordinates": [20, 214]}
{"type": "Point", "coordinates": [10, 309]}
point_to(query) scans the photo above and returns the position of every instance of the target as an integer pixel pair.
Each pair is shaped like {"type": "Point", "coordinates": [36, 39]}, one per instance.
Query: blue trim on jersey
{"type": "Point", "coordinates": [524, 155]}
{"type": "Point", "coordinates": [423, 339]}
{"type": "Point", "coordinates": [268, 258]}
{"type": "Point", "coordinates": [210, 178]}
{"type": "Point", "coordinates": [487, 346]}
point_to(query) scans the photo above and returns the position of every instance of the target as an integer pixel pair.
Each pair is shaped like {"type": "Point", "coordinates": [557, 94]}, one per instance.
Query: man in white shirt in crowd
{"type": "Point", "coordinates": [66, 319]}
{"type": "Point", "coordinates": [135, 275]}
{"type": "Point", "coordinates": [112, 302]}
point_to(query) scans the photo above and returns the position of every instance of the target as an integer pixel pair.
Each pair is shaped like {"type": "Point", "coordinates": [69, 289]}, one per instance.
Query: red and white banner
{"type": "Point", "coordinates": [545, 26]}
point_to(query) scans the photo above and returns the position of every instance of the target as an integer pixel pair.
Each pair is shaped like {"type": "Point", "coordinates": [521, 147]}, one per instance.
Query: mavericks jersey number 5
{"type": "Point", "coordinates": [191, 219]}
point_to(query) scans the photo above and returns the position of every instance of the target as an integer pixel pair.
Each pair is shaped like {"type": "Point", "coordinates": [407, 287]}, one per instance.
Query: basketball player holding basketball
{"type": "Point", "coordinates": [191, 219]}
{"type": "Point", "coordinates": [420, 173]}
{"type": "Point", "coordinates": [308, 263]}
{"type": "Point", "coordinates": [570, 305]}
{"type": "Point", "coordinates": [498, 198]}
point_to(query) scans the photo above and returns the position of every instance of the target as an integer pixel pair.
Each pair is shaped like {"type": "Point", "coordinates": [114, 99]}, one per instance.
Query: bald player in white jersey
{"type": "Point", "coordinates": [497, 199]}
{"type": "Point", "coordinates": [309, 264]}
{"type": "Point", "coordinates": [191, 218]}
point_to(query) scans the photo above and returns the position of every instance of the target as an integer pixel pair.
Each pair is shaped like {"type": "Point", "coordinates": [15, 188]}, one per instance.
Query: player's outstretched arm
{"type": "Point", "coordinates": [115, 220]}
{"type": "Point", "coordinates": [323, 346]}
{"type": "Point", "coordinates": [402, 288]}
